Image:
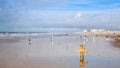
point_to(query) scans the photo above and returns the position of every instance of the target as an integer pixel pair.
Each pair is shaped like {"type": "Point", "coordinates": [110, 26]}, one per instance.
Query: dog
{"type": "Point", "coordinates": [82, 50]}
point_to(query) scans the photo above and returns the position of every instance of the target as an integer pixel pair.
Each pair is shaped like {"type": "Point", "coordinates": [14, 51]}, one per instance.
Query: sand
{"type": "Point", "coordinates": [58, 52]}
{"type": "Point", "coordinates": [116, 43]}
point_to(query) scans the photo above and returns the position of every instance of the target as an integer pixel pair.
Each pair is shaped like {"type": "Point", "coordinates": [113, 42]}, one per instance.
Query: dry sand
{"type": "Point", "coordinates": [116, 43]}
{"type": "Point", "coordinates": [58, 52]}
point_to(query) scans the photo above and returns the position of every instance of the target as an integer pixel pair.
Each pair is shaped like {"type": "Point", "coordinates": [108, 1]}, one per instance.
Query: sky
{"type": "Point", "coordinates": [54, 15]}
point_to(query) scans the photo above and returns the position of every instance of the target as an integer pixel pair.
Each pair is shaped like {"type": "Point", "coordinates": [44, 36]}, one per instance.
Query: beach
{"type": "Point", "coordinates": [58, 50]}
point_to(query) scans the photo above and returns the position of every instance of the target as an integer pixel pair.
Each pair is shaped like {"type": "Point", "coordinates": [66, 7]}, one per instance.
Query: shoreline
{"type": "Point", "coordinates": [56, 50]}
{"type": "Point", "coordinates": [14, 37]}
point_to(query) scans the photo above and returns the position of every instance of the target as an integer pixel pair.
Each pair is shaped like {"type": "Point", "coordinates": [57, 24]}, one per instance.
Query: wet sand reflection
{"type": "Point", "coordinates": [82, 61]}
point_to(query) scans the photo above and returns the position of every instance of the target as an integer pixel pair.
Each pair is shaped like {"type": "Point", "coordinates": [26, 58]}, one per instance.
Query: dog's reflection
{"type": "Point", "coordinates": [82, 61]}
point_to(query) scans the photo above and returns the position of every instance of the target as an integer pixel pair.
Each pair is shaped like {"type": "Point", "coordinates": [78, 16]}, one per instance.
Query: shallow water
{"type": "Point", "coordinates": [58, 52]}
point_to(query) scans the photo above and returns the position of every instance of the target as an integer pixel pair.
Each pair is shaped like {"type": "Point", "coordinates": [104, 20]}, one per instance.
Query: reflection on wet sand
{"type": "Point", "coordinates": [82, 61]}
{"type": "Point", "coordinates": [82, 52]}
{"type": "Point", "coordinates": [52, 42]}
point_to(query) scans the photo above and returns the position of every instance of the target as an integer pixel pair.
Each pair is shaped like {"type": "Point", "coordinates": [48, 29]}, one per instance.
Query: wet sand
{"type": "Point", "coordinates": [116, 43]}
{"type": "Point", "coordinates": [58, 52]}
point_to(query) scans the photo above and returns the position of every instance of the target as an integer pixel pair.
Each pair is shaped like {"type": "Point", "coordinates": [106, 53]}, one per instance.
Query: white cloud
{"type": "Point", "coordinates": [37, 19]}
{"type": "Point", "coordinates": [77, 16]}
{"type": "Point", "coordinates": [65, 17]}
{"type": "Point", "coordinates": [73, 18]}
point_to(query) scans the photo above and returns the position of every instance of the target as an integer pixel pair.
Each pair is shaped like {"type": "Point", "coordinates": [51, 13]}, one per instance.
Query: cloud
{"type": "Point", "coordinates": [36, 14]}
{"type": "Point", "coordinates": [66, 19]}
{"type": "Point", "coordinates": [77, 16]}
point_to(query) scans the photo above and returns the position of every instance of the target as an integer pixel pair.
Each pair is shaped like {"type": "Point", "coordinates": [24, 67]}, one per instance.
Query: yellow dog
{"type": "Point", "coordinates": [82, 50]}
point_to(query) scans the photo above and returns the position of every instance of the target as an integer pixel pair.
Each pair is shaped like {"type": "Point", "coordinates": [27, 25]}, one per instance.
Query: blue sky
{"type": "Point", "coordinates": [40, 15]}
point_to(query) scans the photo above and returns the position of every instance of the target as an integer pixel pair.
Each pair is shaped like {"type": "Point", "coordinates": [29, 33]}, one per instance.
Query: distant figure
{"type": "Point", "coordinates": [96, 35]}
{"type": "Point", "coordinates": [51, 37]}
{"type": "Point", "coordinates": [85, 36]}
{"type": "Point", "coordinates": [29, 41]}
{"type": "Point", "coordinates": [82, 50]}
{"type": "Point", "coordinates": [107, 36]}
